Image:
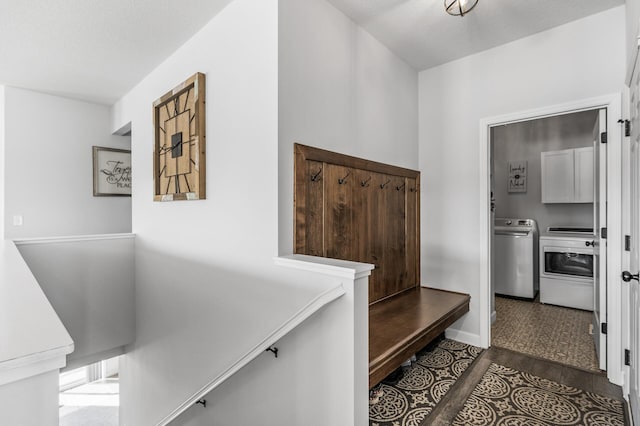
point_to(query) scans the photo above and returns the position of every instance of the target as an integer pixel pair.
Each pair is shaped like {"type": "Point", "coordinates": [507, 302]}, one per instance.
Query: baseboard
{"type": "Point", "coordinates": [493, 317]}
{"type": "Point", "coordinates": [463, 336]}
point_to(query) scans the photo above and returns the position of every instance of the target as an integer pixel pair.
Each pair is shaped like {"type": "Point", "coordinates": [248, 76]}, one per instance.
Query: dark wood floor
{"type": "Point", "coordinates": [454, 400]}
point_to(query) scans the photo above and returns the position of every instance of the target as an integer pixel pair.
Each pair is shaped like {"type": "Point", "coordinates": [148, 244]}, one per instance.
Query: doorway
{"type": "Point", "coordinates": [544, 262]}
{"type": "Point", "coordinates": [611, 104]}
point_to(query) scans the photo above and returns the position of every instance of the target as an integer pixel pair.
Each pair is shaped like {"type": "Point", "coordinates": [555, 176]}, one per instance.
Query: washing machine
{"type": "Point", "coordinates": [515, 258]}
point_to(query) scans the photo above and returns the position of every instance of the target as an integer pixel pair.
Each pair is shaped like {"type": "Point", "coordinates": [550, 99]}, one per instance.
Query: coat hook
{"type": "Point", "coordinates": [400, 188]}
{"type": "Point", "coordinates": [274, 350]}
{"type": "Point", "coordinates": [315, 178]}
{"type": "Point", "coordinates": [385, 184]}
{"type": "Point", "coordinates": [203, 402]}
{"type": "Point", "coordinates": [365, 183]}
{"type": "Point", "coordinates": [412, 190]}
{"type": "Point", "coordinates": [344, 179]}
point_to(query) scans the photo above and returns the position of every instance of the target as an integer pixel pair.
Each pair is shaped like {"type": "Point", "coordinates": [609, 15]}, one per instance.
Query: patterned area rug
{"type": "Point", "coordinates": [508, 397]}
{"type": "Point", "coordinates": [424, 384]}
{"type": "Point", "coordinates": [545, 331]}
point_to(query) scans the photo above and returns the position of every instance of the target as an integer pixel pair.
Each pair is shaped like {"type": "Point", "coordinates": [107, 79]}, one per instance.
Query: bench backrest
{"type": "Point", "coordinates": [360, 210]}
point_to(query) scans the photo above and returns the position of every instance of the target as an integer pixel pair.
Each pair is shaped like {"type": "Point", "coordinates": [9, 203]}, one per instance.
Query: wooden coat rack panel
{"type": "Point", "coordinates": [354, 209]}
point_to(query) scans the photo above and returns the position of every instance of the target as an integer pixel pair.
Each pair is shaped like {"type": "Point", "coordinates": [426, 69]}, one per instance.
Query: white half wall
{"type": "Point", "coordinates": [32, 401]}
{"type": "Point", "coordinates": [339, 89]}
{"type": "Point", "coordinates": [579, 60]}
{"type": "Point", "coordinates": [49, 167]}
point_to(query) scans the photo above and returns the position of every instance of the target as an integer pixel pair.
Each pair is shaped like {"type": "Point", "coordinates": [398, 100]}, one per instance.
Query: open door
{"type": "Point", "coordinates": [634, 260]}
{"type": "Point", "coordinates": [600, 243]}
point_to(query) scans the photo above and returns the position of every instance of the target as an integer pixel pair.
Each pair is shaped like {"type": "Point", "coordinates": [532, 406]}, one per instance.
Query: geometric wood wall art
{"type": "Point", "coordinates": [179, 162]}
{"type": "Point", "coordinates": [360, 210]}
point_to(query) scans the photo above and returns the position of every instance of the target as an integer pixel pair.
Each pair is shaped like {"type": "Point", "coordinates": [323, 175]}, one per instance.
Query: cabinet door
{"type": "Point", "coordinates": [583, 175]}
{"type": "Point", "coordinates": [557, 176]}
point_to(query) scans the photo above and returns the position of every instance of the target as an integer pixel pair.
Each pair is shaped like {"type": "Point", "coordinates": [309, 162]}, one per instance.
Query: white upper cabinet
{"type": "Point", "coordinates": [567, 176]}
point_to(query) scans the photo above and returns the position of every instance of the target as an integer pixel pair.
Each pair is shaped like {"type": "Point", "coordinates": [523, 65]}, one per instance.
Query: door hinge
{"type": "Point", "coordinates": [603, 137]}
{"type": "Point", "coordinates": [627, 243]}
{"type": "Point", "coordinates": [627, 357]}
{"type": "Point", "coordinates": [603, 233]}
{"type": "Point", "coordinates": [627, 126]}
{"type": "Point", "coordinates": [603, 328]}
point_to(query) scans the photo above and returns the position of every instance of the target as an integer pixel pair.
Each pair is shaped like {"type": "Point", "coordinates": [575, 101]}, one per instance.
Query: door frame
{"type": "Point", "coordinates": [613, 104]}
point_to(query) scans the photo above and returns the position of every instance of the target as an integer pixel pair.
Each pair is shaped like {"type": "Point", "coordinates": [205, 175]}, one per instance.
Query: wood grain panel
{"type": "Point", "coordinates": [309, 207]}
{"type": "Point", "coordinates": [394, 237]}
{"type": "Point", "coordinates": [355, 209]}
{"type": "Point", "coordinates": [339, 229]}
{"type": "Point", "coordinates": [376, 238]}
{"type": "Point", "coordinates": [412, 260]}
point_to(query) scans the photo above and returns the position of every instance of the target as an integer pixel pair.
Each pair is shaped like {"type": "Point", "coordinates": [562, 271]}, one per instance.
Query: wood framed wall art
{"type": "Point", "coordinates": [360, 210]}
{"type": "Point", "coordinates": [179, 163]}
{"type": "Point", "coordinates": [111, 172]}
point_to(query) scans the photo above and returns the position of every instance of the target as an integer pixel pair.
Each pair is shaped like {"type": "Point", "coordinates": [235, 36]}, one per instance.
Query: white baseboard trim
{"type": "Point", "coordinates": [463, 336]}
{"type": "Point", "coordinates": [493, 317]}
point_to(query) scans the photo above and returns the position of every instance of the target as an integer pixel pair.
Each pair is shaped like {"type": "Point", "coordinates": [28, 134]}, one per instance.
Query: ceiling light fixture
{"type": "Point", "coordinates": [459, 7]}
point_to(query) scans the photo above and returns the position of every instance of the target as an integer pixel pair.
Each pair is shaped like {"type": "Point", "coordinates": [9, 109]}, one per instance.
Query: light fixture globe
{"type": "Point", "coordinates": [459, 7]}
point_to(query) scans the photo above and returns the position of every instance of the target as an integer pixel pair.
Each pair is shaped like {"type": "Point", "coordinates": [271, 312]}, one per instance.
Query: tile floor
{"type": "Point", "coordinates": [545, 331]}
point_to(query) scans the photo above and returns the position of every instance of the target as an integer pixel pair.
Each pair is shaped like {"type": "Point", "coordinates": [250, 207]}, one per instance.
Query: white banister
{"type": "Point", "coordinates": [342, 294]}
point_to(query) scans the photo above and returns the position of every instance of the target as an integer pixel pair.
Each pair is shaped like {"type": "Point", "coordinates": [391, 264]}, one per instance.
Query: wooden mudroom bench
{"type": "Point", "coordinates": [403, 324]}
{"type": "Point", "coordinates": [356, 209]}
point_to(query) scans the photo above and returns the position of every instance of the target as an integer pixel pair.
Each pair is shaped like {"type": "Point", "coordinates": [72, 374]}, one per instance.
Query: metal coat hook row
{"type": "Point", "coordinates": [365, 183]}
{"type": "Point", "coordinates": [316, 177]}
{"type": "Point", "coordinates": [274, 350]}
{"type": "Point", "coordinates": [401, 187]}
{"type": "Point", "coordinates": [385, 184]}
{"type": "Point", "coordinates": [344, 179]}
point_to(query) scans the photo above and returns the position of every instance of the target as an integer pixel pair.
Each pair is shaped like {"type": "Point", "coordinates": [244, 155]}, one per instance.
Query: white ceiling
{"type": "Point", "coordinates": [97, 50]}
{"type": "Point", "coordinates": [424, 35]}
{"type": "Point", "coordinates": [94, 50]}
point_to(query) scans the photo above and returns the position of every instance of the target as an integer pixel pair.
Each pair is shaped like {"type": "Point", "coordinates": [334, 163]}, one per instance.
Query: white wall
{"type": "Point", "coordinates": [339, 89]}
{"type": "Point", "coordinates": [89, 283]}
{"type": "Point", "coordinates": [632, 26]}
{"type": "Point", "coordinates": [524, 142]}
{"type": "Point", "coordinates": [49, 167]}
{"type": "Point", "coordinates": [2, 166]}
{"type": "Point", "coordinates": [207, 290]}
{"type": "Point", "coordinates": [579, 60]}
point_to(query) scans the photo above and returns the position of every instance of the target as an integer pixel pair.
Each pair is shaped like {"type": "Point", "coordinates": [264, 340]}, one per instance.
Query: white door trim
{"type": "Point", "coordinates": [613, 104]}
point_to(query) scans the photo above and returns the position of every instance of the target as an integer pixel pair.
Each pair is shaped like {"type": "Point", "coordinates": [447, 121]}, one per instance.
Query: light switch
{"type": "Point", "coordinates": [17, 220]}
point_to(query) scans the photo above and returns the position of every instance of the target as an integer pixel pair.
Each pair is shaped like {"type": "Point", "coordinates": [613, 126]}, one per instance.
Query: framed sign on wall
{"type": "Point", "coordinates": [111, 172]}
{"type": "Point", "coordinates": [517, 176]}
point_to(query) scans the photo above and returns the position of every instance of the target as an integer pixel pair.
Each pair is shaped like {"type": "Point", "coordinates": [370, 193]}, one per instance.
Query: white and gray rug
{"type": "Point", "coordinates": [424, 384]}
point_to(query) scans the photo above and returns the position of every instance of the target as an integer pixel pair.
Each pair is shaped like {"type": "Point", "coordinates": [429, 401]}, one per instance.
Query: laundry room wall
{"type": "Point", "coordinates": [524, 142]}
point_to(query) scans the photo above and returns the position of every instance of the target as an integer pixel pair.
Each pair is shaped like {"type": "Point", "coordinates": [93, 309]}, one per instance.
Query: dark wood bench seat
{"type": "Point", "coordinates": [403, 324]}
